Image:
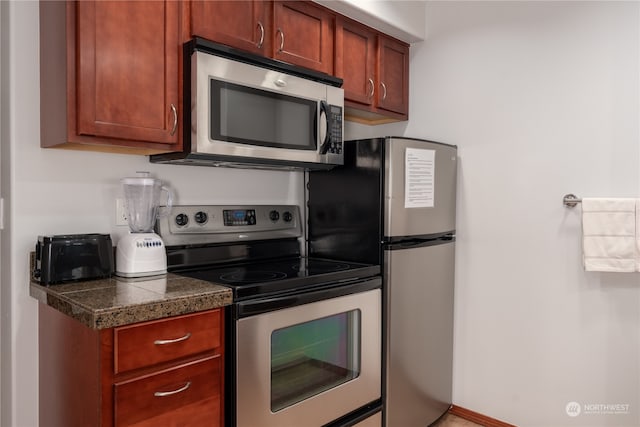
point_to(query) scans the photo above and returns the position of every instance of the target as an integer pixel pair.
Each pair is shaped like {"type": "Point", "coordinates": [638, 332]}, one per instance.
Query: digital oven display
{"type": "Point", "coordinates": [239, 217]}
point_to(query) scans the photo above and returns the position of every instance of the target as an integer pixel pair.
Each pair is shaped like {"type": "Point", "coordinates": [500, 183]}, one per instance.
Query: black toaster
{"type": "Point", "coordinates": [73, 257]}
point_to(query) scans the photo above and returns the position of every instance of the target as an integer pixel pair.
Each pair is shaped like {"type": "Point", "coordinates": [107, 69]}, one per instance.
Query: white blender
{"type": "Point", "coordinates": [141, 253]}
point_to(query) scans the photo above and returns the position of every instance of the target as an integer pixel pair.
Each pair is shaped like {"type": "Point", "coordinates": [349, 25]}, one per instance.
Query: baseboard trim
{"type": "Point", "coordinates": [477, 418]}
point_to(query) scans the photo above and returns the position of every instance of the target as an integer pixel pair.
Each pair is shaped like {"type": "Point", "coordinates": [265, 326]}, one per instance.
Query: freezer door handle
{"type": "Point", "coordinates": [409, 244]}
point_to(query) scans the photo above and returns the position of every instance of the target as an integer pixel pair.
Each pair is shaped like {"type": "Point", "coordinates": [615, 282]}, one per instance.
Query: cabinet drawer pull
{"type": "Point", "coordinates": [281, 39]}
{"type": "Point", "coordinates": [173, 341]}
{"type": "Point", "coordinates": [384, 90]}
{"type": "Point", "coordinates": [261, 27]}
{"type": "Point", "coordinates": [373, 88]}
{"type": "Point", "coordinates": [172, 392]}
{"type": "Point", "coordinates": [175, 119]}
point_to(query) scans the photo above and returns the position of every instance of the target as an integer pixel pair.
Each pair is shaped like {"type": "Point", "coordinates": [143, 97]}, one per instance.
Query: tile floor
{"type": "Point", "coordinates": [450, 420]}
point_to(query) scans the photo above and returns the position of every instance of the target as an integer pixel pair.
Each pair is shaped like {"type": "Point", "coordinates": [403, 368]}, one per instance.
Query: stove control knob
{"type": "Point", "coordinates": [287, 217]}
{"type": "Point", "coordinates": [182, 219]}
{"type": "Point", "coordinates": [201, 217]}
{"type": "Point", "coordinates": [274, 215]}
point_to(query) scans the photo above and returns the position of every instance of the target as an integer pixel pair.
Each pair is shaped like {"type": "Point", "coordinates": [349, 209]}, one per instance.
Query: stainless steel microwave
{"type": "Point", "coordinates": [250, 111]}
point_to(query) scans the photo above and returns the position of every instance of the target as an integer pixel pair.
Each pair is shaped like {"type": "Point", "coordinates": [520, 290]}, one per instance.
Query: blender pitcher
{"type": "Point", "coordinates": [142, 199]}
{"type": "Point", "coordinates": [141, 253]}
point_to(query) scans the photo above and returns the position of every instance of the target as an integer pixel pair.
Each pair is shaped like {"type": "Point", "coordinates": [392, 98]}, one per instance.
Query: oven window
{"type": "Point", "coordinates": [252, 116]}
{"type": "Point", "coordinates": [309, 358]}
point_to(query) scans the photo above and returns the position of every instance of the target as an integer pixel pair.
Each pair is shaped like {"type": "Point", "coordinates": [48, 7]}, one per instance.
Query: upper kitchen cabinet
{"type": "Point", "coordinates": [243, 24]}
{"type": "Point", "coordinates": [393, 76]}
{"type": "Point", "coordinates": [356, 61]}
{"type": "Point", "coordinates": [304, 35]}
{"type": "Point", "coordinates": [375, 70]}
{"type": "Point", "coordinates": [297, 32]}
{"type": "Point", "coordinates": [110, 75]}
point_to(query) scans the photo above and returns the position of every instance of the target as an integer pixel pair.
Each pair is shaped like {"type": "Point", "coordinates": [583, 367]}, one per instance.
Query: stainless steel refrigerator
{"type": "Point", "coordinates": [393, 203]}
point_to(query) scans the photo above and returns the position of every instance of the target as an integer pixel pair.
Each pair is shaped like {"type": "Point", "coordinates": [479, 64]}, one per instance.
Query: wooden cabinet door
{"type": "Point", "coordinates": [303, 35]}
{"type": "Point", "coordinates": [186, 395]}
{"type": "Point", "coordinates": [149, 343]}
{"type": "Point", "coordinates": [242, 24]}
{"type": "Point", "coordinates": [127, 70]}
{"type": "Point", "coordinates": [355, 61]}
{"type": "Point", "coordinates": [393, 75]}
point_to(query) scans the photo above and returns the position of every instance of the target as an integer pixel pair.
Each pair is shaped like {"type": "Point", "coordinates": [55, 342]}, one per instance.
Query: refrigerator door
{"type": "Point", "coordinates": [418, 307]}
{"type": "Point", "coordinates": [419, 188]}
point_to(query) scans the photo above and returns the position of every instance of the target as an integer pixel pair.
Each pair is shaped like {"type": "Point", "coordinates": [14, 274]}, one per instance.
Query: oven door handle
{"type": "Point", "coordinates": [264, 305]}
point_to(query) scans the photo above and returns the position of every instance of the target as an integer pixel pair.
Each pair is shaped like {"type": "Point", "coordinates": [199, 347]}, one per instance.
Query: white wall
{"type": "Point", "coordinates": [542, 99]}
{"type": "Point", "coordinates": [62, 191]}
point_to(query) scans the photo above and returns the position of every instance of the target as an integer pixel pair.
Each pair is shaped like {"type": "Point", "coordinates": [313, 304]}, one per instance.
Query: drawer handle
{"type": "Point", "coordinates": [173, 341]}
{"type": "Point", "coordinates": [172, 392]}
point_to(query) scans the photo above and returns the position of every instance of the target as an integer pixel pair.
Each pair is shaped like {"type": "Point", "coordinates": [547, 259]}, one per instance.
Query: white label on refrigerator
{"type": "Point", "coordinates": [419, 178]}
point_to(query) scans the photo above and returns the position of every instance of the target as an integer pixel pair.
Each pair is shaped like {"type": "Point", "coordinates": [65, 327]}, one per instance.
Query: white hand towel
{"type": "Point", "coordinates": [609, 240]}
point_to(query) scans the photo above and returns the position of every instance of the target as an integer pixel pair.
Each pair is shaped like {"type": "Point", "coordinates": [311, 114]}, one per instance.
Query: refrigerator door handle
{"type": "Point", "coordinates": [417, 243]}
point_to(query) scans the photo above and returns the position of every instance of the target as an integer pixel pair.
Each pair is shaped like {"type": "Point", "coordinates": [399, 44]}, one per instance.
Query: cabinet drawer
{"type": "Point", "coordinates": [185, 395]}
{"type": "Point", "coordinates": [149, 343]}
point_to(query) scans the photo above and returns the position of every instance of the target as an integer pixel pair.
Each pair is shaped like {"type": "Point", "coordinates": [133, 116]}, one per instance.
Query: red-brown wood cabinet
{"type": "Point", "coordinates": [297, 32]}
{"type": "Point", "coordinates": [110, 75]}
{"type": "Point", "coordinates": [162, 372]}
{"type": "Point", "coordinates": [243, 24]}
{"type": "Point", "coordinates": [375, 70]}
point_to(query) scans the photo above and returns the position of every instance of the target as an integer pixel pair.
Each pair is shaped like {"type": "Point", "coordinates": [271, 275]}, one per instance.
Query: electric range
{"type": "Point", "coordinates": [303, 334]}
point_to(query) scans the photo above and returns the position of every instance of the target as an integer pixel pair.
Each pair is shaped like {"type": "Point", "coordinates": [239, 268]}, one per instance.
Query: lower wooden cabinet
{"type": "Point", "coordinates": [188, 394]}
{"type": "Point", "coordinates": [87, 379]}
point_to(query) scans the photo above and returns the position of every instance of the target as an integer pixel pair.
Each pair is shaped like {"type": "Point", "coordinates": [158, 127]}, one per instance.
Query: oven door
{"type": "Point", "coordinates": [310, 364]}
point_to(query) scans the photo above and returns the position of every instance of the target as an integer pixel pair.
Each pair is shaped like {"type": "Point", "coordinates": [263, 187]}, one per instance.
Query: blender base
{"type": "Point", "coordinates": [140, 255]}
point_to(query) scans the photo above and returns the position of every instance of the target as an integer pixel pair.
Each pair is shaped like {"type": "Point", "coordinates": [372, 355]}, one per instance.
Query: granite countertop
{"type": "Point", "coordinates": [107, 303]}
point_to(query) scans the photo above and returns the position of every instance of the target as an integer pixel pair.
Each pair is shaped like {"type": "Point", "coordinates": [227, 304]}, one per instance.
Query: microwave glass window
{"type": "Point", "coordinates": [251, 116]}
{"type": "Point", "coordinates": [312, 357]}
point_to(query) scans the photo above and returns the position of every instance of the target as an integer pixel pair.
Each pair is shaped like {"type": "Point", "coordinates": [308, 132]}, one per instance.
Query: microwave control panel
{"type": "Point", "coordinates": [334, 120]}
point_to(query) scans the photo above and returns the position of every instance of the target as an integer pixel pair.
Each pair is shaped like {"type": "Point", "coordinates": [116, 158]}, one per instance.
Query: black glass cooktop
{"type": "Point", "coordinates": [249, 280]}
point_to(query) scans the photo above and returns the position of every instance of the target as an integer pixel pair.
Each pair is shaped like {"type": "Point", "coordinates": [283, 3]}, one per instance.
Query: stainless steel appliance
{"type": "Point", "coordinates": [303, 335]}
{"type": "Point", "coordinates": [251, 111]}
{"type": "Point", "coordinates": [394, 202]}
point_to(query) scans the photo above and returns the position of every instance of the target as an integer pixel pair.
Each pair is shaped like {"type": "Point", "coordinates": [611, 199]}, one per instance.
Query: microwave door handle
{"type": "Point", "coordinates": [326, 140]}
